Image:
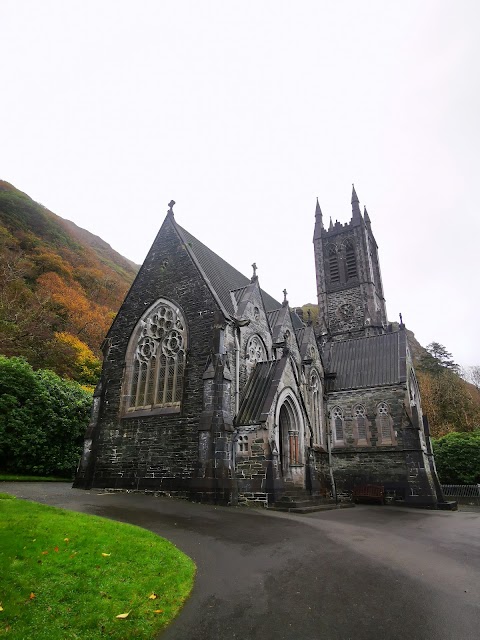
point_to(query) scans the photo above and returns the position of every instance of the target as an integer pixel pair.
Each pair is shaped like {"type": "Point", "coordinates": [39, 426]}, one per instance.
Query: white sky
{"type": "Point", "coordinates": [244, 112]}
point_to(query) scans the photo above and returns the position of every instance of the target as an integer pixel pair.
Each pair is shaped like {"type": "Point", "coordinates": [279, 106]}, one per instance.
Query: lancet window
{"type": "Point", "coordinates": [337, 425]}
{"type": "Point", "coordinates": [361, 426]}
{"type": "Point", "coordinates": [316, 406]}
{"type": "Point", "coordinates": [157, 355]}
{"type": "Point", "coordinates": [384, 423]}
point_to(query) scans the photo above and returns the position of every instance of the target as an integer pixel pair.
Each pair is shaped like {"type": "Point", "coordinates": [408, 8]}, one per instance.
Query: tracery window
{"type": "Point", "coordinates": [337, 425]}
{"type": "Point", "coordinates": [316, 406]}
{"type": "Point", "coordinates": [361, 426]}
{"type": "Point", "coordinates": [256, 351]}
{"type": "Point", "coordinates": [159, 345]}
{"type": "Point", "coordinates": [384, 423]}
{"type": "Point", "coordinates": [242, 444]}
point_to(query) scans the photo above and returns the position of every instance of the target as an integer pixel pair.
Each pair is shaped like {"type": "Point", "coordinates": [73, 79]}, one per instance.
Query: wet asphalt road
{"type": "Point", "coordinates": [366, 573]}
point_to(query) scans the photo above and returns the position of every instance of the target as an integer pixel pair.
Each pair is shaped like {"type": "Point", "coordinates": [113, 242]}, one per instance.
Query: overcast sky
{"type": "Point", "coordinates": [245, 112]}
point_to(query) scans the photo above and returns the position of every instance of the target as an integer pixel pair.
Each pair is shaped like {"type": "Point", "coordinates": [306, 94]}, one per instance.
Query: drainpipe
{"type": "Point", "coordinates": [329, 447]}
{"type": "Point", "coordinates": [237, 371]}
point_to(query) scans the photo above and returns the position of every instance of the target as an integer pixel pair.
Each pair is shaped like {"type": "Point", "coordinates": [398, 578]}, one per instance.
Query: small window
{"type": "Point", "coordinates": [337, 425]}
{"type": "Point", "coordinates": [242, 444]}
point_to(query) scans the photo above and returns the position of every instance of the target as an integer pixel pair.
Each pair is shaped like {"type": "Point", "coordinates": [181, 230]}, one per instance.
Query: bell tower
{"type": "Point", "coordinates": [349, 283]}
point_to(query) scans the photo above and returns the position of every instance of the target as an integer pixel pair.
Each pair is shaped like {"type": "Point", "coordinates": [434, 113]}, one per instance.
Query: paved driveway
{"type": "Point", "coordinates": [366, 573]}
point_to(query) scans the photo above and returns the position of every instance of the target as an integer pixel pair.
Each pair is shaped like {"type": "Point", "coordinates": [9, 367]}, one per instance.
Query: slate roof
{"type": "Point", "coordinates": [259, 392]}
{"type": "Point", "coordinates": [222, 276]}
{"type": "Point", "coordinates": [366, 362]}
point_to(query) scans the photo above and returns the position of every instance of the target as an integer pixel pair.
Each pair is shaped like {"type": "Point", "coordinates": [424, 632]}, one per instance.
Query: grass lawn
{"type": "Point", "coordinates": [8, 477]}
{"type": "Point", "coordinates": [69, 575]}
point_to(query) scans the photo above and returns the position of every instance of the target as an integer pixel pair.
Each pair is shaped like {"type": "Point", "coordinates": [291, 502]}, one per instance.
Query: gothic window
{"type": "Point", "coordinates": [156, 359]}
{"type": "Point", "coordinates": [333, 265]}
{"type": "Point", "coordinates": [337, 425]}
{"type": "Point", "coordinates": [351, 261]}
{"type": "Point", "coordinates": [256, 351]}
{"type": "Point", "coordinates": [360, 423]}
{"type": "Point", "coordinates": [384, 424]}
{"type": "Point", "coordinates": [316, 406]}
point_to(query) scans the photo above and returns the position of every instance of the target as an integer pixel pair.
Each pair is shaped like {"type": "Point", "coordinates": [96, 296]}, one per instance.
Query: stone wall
{"type": "Point", "coordinates": [156, 450]}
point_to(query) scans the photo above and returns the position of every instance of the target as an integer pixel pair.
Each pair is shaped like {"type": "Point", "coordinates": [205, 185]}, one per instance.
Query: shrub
{"type": "Point", "coordinates": [457, 456]}
{"type": "Point", "coordinates": [42, 420]}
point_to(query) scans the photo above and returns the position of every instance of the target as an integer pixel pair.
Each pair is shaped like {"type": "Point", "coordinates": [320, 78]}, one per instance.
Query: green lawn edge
{"type": "Point", "coordinates": [67, 574]}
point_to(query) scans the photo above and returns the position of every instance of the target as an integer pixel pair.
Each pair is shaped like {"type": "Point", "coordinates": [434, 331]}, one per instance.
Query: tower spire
{"type": "Point", "coordinates": [318, 221]}
{"type": "Point", "coordinates": [356, 215]}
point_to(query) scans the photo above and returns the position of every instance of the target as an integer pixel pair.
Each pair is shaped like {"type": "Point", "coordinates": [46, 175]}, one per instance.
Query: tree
{"type": "Point", "coordinates": [42, 420]}
{"type": "Point", "coordinates": [437, 359]}
{"type": "Point", "coordinates": [472, 375]}
{"type": "Point", "coordinates": [457, 457]}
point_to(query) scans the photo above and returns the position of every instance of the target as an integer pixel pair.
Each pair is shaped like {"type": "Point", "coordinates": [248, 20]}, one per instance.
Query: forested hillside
{"type": "Point", "coordinates": [60, 287]}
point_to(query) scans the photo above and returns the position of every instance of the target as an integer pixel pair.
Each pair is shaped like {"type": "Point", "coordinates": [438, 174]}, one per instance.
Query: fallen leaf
{"type": "Point", "coordinates": [106, 555]}
{"type": "Point", "coordinates": [152, 596]}
{"type": "Point", "coordinates": [44, 553]}
{"type": "Point", "coordinates": [56, 549]}
{"type": "Point", "coordinates": [32, 596]}
{"type": "Point", "coordinates": [122, 616]}
{"type": "Point", "coordinates": [66, 539]}
{"type": "Point", "coordinates": [158, 611]}
{"type": "Point", "coordinates": [1, 608]}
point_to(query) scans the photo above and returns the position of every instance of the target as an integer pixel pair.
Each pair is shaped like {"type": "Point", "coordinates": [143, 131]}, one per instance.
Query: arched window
{"type": "Point", "coordinates": [242, 445]}
{"type": "Point", "coordinates": [315, 389]}
{"type": "Point", "coordinates": [333, 265]}
{"type": "Point", "coordinates": [384, 424]}
{"type": "Point", "coordinates": [337, 425]}
{"type": "Point", "coordinates": [361, 426]}
{"type": "Point", "coordinates": [255, 351]}
{"type": "Point", "coordinates": [156, 359]}
{"type": "Point", "coordinates": [351, 261]}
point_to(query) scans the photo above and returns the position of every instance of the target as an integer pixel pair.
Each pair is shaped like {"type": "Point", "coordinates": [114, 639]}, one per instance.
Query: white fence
{"type": "Point", "coordinates": [466, 493]}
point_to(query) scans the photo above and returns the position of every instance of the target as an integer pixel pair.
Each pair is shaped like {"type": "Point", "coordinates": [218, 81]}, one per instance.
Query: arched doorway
{"type": "Point", "coordinates": [289, 439]}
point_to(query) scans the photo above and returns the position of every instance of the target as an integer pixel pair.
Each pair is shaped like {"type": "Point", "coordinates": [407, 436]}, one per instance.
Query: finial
{"type": "Point", "coordinates": [254, 276]}
{"type": "Point", "coordinates": [309, 316]}
{"type": "Point", "coordinates": [170, 204]}
{"type": "Point", "coordinates": [285, 301]}
{"type": "Point", "coordinates": [330, 226]}
{"type": "Point", "coordinates": [402, 326]}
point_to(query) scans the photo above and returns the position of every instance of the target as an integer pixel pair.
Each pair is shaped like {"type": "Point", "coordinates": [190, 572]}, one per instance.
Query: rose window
{"type": "Point", "coordinates": [255, 350]}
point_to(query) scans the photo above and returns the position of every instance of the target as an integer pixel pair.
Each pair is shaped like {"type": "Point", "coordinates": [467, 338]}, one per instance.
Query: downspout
{"type": "Point", "coordinates": [329, 448]}
{"type": "Point", "coordinates": [237, 371]}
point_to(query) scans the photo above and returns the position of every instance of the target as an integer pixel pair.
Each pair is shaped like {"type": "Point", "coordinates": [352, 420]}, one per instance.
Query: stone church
{"type": "Point", "coordinates": [211, 389]}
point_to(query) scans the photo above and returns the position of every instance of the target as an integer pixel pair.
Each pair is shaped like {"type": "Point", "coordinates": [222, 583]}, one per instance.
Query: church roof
{"type": "Point", "coordinates": [366, 362]}
{"type": "Point", "coordinates": [222, 276]}
{"type": "Point", "coordinates": [259, 392]}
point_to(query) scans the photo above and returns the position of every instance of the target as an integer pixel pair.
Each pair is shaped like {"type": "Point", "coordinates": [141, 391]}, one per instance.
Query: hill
{"type": "Point", "coordinates": [60, 287]}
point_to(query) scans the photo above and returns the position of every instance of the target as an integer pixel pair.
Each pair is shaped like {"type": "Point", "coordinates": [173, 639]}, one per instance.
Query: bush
{"type": "Point", "coordinates": [457, 456]}
{"type": "Point", "coordinates": [42, 420]}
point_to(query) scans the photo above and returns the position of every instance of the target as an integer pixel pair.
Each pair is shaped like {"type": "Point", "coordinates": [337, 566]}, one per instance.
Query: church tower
{"type": "Point", "coordinates": [349, 284]}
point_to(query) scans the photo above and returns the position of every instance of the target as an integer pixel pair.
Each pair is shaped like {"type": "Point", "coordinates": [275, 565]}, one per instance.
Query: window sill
{"type": "Point", "coordinates": [156, 411]}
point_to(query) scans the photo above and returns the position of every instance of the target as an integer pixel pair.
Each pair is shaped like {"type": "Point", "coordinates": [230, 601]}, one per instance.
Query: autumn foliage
{"type": "Point", "coordinates": [60, 288]}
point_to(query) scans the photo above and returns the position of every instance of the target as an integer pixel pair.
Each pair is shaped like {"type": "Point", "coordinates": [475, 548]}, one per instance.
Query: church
{"type": "Point", "coordinates": [213, 390]}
